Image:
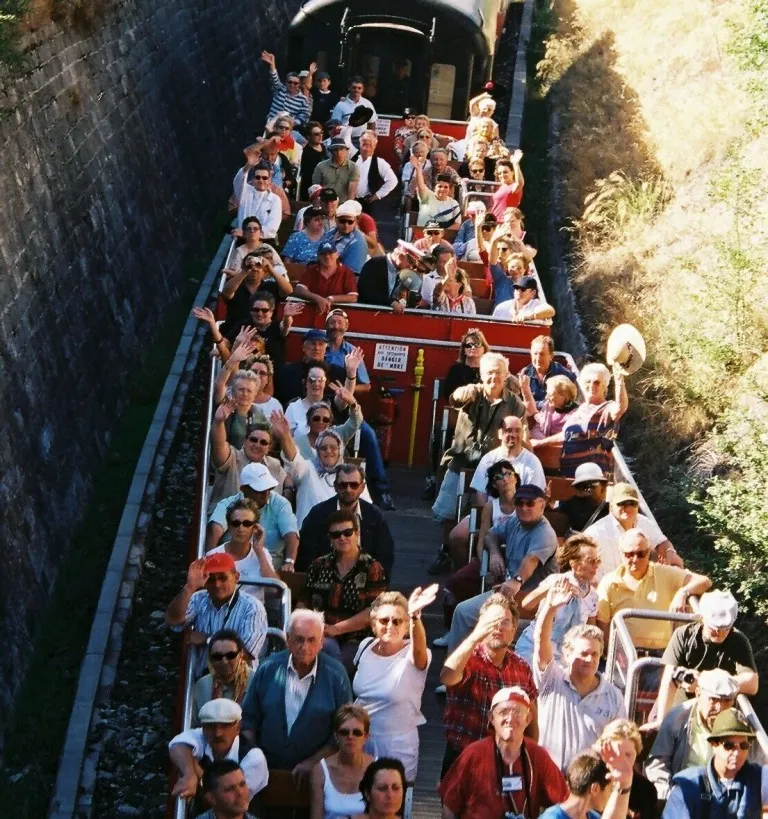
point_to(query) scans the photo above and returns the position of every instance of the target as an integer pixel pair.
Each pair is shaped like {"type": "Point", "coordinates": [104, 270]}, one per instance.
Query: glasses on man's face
{"type": "Point", "coordinates": [283, 127]}
{"type": "Point", "coordinates": [236, 524]}
{"type": "Point", "coordinates": [292, 82]}
{"type": "Point", "coordinates": [346, 221]}
{"type": "Point", "coordinates": [351, 732]}
{"type": "Point", "coordinates": [732, 746]}
{"type": "Point", "coordinates": [434, 232]}
{"type": "Point", "coordinates": [640, 554]}
{"type": "Point", "coordinates": [628, 504]}
{"type": "Point", "coordinates": [261, 178]}
{"type": "Point", "coordinates": [335, 534]}
{"type": "Point", "coordinates": [261, 309]}
{"type": "Point", "coordinates": [260, 441]}
{"type": "Point", "coordinates": [347, 484]}
{"type": "Point", "coordinates": [218, 656]}
{"type": "Point", "coordinates": [528, 504]}
{"type": "Point", "coordinates": [385, 621]}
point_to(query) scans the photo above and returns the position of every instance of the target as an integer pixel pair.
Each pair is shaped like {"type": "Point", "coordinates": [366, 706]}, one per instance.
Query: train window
{"type": "Point", "coordinates": [392, 63]}
{"type": "Point", "coordinates": [441, 84]}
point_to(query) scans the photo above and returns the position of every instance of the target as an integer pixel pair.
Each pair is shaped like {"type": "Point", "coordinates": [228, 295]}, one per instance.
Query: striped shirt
{"type": "Point", "coordinates": [296, 105]}
{"type": "Point", "coordinates": [247, 617]}
{"type": "Point", "coordinates": [296, 691]}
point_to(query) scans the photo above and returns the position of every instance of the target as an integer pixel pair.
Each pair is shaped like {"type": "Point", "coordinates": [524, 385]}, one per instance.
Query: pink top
{"type": "Point", "coordinates": [506, 196]}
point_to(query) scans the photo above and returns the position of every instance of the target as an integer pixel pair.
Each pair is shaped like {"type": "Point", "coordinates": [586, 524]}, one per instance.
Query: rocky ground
{"type": "Point", "coordinates": [132, 778]}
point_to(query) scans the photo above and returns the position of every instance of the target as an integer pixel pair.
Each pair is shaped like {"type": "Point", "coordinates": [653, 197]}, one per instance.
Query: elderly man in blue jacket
{"type": "Point", "coordinates": [288, 710]}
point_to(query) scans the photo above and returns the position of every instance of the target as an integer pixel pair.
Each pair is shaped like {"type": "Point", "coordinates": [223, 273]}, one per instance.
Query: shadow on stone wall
{"type": "Point", "coordinates": [118, 153]}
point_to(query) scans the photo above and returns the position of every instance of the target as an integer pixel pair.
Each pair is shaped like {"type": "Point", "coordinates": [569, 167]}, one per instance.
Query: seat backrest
{"type": "Point", "coordinates": [295, 582]}
{"type": "Point", "coordinates": [484, 307]}
{"type": "Point", "coordinates": [295, 270]}
{"type": "Point", "coordinates": [475, 270]}
{"type": "Point", "coordinates": [560, 489]}
{"type": "Point", "coordinates": [282, 792]}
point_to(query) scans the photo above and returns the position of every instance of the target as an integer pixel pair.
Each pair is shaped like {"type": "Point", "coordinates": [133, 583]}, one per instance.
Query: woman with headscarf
{"type": "Point", "coordinates": [229, 672]}
{"type": "Point", "coordinates": [314, 477]}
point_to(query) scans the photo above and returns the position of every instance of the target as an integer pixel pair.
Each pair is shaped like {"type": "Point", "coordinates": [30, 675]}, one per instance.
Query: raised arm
{"type": "Point", "coordinates": [452, 672]}
{"type": "Point", "coordinates": [417, 602]}
{"type": "Point", "coordinates": [418, 175]}
{"type": "Point", "coordinates": [197, 576]}
{"type": "Point", "coordinates": [543, 647]}
{"type": "Point", "coordinates": [528, 399]}
{"type": "Point", "coordinates": [282, 429]}
{"type": "Point", "coordinates": [220, 447]}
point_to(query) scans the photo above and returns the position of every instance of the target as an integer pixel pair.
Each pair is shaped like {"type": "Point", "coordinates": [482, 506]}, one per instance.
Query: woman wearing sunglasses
{"type": "Point", "coordinates": [246, 545]}
{"type": "Point", "coordinates": [229, 672]}
{"type": "Point", "coordinates": [320, 419]}
{"type": "Point", "coordinates": [336, 779]}
{"type": "Point", "coordinates": [391, 674]}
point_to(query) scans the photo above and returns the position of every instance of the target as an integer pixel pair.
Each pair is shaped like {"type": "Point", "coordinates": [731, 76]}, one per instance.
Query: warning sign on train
{"type": "Point", "coordinates": [392, 357]}
{"type": "Point", "coordinates": [382, 127]}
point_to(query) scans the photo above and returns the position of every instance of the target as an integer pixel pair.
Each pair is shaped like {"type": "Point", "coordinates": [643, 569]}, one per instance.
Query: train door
{"type": "Point", "coordinates": [392, 60]}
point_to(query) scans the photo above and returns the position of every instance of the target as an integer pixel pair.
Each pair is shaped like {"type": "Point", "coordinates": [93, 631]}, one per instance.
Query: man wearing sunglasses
{"type": "Point", "coordinates": [639, 583]}
{"type": "Point", "coordinates": [347, 238]}
{"type": "Point", "coordinates": [276, 518]}
{"type": "Point", "coordinates": [625, 515]}
{"type": "Point", "coordinates": [588, 504]}
{"type": "Point", "coordinates": [530, 544]}
{"type": "Point", "coordinates": [729, 785]}
{"type": "Point", "coordinates": [258, 200]}
{"type": "Point", "coordinates": [375, 536]}
{"type": "Point", "coordinates": [288, 96]}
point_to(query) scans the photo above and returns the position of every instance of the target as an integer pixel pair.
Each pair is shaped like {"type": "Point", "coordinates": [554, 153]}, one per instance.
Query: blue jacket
{"type": "Point", "coordinates": [353, 249]}
{"type": "Point", "coordinates": [742, 801]}
{"type": "Point", "coordinates": [264, 710]}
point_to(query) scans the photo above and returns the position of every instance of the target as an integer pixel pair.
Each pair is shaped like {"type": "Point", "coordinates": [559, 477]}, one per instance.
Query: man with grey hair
{"type": "Point", "coordinates": [482, 410]}
{"type": "Point", "coordinates": [575, 701]}
{"type": "Point", "coordinates": [300, 681]}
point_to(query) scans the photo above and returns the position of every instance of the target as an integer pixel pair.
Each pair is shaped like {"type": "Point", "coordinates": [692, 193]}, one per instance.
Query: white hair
{"type": "Point", "coordinates": [595, 370]}
{"type": "Point", "coordinates": [490, 359]}
{"type": "Point", "coordinates": [305, 616]}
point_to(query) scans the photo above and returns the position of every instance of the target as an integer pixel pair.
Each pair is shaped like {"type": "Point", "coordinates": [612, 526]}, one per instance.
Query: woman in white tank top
{"type": "Point", "coordinates": [335, 781]}
{"type": "Point", "coordinates": [503, 480]}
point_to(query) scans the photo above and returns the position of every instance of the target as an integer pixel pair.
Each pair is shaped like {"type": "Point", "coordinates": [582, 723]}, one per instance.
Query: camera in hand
{"type": "Point", "coordinates": [684, 676]}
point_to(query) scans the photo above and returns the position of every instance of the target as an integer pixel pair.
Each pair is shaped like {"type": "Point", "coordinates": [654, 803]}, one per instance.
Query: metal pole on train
{"type": "Point", "coordinates": [433, 428]}
{"type": "Point", "coordinates": [418, 375]}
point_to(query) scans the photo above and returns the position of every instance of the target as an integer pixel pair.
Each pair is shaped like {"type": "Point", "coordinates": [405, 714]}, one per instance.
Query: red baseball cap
{"type": "Point", "coordinates": [219, 562]}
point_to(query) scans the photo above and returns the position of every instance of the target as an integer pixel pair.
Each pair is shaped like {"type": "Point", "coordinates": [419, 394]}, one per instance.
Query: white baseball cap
{"type": "Point", "coordinates": [511, 694]}
{"type": "Point", "coordinates": [718, 609]}
{"type": "Point", "coordinates": [257, 477]}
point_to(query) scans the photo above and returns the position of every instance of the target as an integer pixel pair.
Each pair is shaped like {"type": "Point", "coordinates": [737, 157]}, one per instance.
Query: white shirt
{"type": "Point", "coordinates": [240, 252]}
{"type": "Point", "coordinates": [250, 570]}
{"type": "Point", "coordinates": [344, 108]}
{"type": "Point", "coordinates": [254, 764]}
{"type": "Point", "coordinates": [296, 416]}
{"type": "Point", "coordinates": [296, 691]}
{"type": "Point", "coordinates": [390, 689]}
{"type": "Point", "coordinates": [428, 284]}
{"type": "Point", "coordinates": [312, 488]}
{"type": "Point", "coordinates": [526, 464]}
{"type": "Point", "coordinates": [386, 172]}
{"type": "Point", "coordinates": [265, 206]}
{"type": "Point", "coordinates": [607, 532]}
{"type": "Point", "coordinates": [568, 722]}
{"type": "Point", "coordinates": [509, 310]}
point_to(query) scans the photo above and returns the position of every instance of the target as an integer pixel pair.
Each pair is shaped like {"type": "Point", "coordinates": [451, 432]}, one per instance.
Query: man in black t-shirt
{"type": "Point", "coordinates": [589, 504]}
{"type": "Point", "coordinates": [712, 643]}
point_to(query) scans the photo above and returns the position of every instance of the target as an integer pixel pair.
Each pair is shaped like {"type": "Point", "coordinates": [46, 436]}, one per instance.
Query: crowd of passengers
{"type": "Point", "coordinates": [328, 726]}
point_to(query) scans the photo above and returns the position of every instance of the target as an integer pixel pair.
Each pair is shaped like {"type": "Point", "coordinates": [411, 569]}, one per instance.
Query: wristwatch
{"type": "Point", "coordinates": [289, 560]}
{"type": "Point", "coordinates": [518, 579]}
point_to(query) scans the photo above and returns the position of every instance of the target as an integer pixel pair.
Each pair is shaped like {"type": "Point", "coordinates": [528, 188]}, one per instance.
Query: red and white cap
{"type": "Point", "coordinates": [512, 694]}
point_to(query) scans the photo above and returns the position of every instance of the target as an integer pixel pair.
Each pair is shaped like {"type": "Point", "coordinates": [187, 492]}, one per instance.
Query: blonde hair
{"type": "Point", "coordinates": [622, 729]}
{"type": "Point", "coordinates": [561, 383]}
{"type": "Point", "coordinates": [389, 598]}
{"type": "Point", "coordinates": [489, 359]}
{"type": "Point", "coordinates": [350, 711]}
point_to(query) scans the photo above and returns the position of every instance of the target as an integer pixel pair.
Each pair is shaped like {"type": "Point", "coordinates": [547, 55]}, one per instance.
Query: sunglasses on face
{"type": "Point", "coordinates": [472, 345]}
{"type": "Point", "coordinates": [347, 484]}
{"type": "Point", "coordinates": [236, 524]}
{"type": "Point", "coordinates": [592, 561]}
{"type": "Point", "coordinates": [351, 732]}
{"type": "Point", "coordinates": [261, 178]}
{"type": "Point", "coordinates": [283, 127]}
{"type": "Point", "coordinates": [434, 232]}
{"type": "Point", "coordinates": [217, 657]}
{"type": "Point", "coordinates": [261, 441]}
{"type": "Point", "coordinates": [346, 221]}
{"type": "Point", "coordinates": [335, 534]}
{"type": "Point", "coordinates": [500, 476]}
{"type": "Point", "coordinates": [385, 621]}
{"type": "Point", "coordinates": [315, 379]}
{"type": "Point", "coordinates": [528, 504]}
{"type": "Point", "coordinates": [628, 504]}
{"type": "Point", "coordinates": [732, 746]}
{"type": "Point", "coordinates": [292, 82]}
{"type": "Point", "coordinates": [638, 555]}
{"type": "Point", "coordinates": [261, 309]}
{"type": "Point", "coordinates": [322, 419]}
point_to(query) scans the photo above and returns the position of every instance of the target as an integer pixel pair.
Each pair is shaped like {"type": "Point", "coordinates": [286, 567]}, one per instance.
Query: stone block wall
{"type": "Point", "coordinates": [117, 150]}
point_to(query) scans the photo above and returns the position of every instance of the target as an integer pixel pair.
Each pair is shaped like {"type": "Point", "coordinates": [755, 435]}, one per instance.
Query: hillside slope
{"type": "Point", "coordinates": [661, 156]}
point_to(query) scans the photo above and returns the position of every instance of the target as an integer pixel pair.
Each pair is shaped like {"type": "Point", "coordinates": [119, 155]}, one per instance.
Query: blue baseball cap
{"type": "Point", "coordinates": [327, 247]}
{"type": "Point", "coordinates": [315, 335]}
{"type": "Point", "coordinates": [529, 491]}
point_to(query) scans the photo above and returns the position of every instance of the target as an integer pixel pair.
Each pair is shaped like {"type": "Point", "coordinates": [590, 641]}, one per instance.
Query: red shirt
{"type": "Point", "coordinates": [468, 702]}
{"type": "Point", "coordinates": [342, 283]}
{"type": "Point", "coordinates": [505, 196]}
{"type": "Point", "coordinates": [472, 790]}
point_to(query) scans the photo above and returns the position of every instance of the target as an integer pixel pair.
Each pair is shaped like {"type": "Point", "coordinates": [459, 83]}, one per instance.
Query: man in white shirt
{"type": "Point", "coordinates": [346, 105]}
{"type": "Point", "coordinates": [377, 179]}
{"type": "Point", "coordinates": [625, 515]}
{"type": "Point", "coordinates": [526, 464]}
{"type": "Point", "coordinates": [526, 305]}
{"type": "Point", "coordinates": [259, 201]}
{"type": "Point", "coordinates": [218, 738]}
{"type": "Point", "coordinates": [575, 701]}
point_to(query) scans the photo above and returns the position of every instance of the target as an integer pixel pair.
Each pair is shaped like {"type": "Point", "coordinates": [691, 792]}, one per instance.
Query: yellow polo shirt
{"type": "Point", "coordinates": [618, 590]}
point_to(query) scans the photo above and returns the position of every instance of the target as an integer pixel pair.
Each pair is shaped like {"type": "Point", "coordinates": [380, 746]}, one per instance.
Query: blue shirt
{"type": "Point", "coordinates": [502, 286]}
{"type": "Point", "coordinates": [743, 800]}
{"type": "Point", "coordinates": [539, 387]}
{"type": "Point", "coordinates": [465, 233]}
{"type": "Point", "coordinates": [337, 357]}
{"type": "Point", "coordinates": [301, 248]}
{"type": "Point", "coordinates": [353, 249]}
{"type": "Point", "coordinates": [556, 812]}
{"type": "Point", "coordinates": [276, 518]}
{"type": "Point", "coordinates": [521, 541]}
